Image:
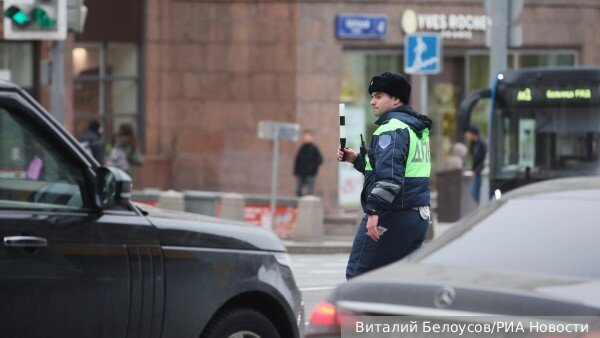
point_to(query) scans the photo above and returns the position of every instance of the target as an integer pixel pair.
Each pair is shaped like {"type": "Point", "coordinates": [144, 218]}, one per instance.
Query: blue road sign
{"type": "Point", "coordinates": [361, 26]}
{"type": "Point", "coordinates": [422, 54]}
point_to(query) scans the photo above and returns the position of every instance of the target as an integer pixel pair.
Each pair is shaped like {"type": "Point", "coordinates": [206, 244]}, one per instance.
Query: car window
{"type": "Point", "coordinates": [34, 173]}
{"type": "Point", "coordinates": [556, 236]}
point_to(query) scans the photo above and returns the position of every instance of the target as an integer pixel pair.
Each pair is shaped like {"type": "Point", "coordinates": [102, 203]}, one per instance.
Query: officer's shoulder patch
{"type": "Point", "coordinates": [384, 141]}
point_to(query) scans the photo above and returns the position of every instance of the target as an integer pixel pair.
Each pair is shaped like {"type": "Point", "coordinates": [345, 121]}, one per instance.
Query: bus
{"type": "Point", "coordinates": [544, 123]}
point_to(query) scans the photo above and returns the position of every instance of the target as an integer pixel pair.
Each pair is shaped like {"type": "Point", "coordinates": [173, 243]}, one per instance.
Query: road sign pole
{"type": "Point", "coordinates": [275, 173]}
{"type": "Point", "coordinates": [499, 36]}
{"type": "Point", "coordinates": [423, 94]}
{"type": "Point", "coordinates": [276, 131]}
{"type": "Point", "coordinates": [58, 80]}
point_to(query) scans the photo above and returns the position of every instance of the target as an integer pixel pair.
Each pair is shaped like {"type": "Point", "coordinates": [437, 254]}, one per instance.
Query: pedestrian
{"type": "Point", "coordinates": [93, 142]}
{"type": "Point", "coordinates": [124, 153]}
{"type": "Point", "coordinates": [396, 166]}
{"type": "Point", "coordinates": [477, 149]}
{"type": "Point", "coordinates": [306, 165]}
{"type": "Point", "coordinates": [456, 161]}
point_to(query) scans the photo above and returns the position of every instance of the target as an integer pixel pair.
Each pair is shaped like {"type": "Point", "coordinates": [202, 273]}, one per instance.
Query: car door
{"type": "Point", "coordinates": [68, 269]}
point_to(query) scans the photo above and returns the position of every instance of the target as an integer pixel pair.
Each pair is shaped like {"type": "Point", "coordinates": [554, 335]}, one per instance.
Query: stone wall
{"type": "Point", "coordinates": [215, 69]}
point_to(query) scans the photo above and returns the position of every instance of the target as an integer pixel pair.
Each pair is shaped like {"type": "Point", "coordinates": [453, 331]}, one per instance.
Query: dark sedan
{"type": "Point", "coordinates": [532, 253]}
{"type": "Point", "coordinates": [79, 259]}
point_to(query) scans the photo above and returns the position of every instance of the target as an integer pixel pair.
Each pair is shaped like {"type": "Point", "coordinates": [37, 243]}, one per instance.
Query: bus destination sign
{"type": "Point", "coordinates": [548, 95]}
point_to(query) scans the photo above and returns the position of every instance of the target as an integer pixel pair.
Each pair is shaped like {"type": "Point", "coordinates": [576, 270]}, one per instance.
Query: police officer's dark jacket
{"type": "Point", "coordinates": [398, 162]}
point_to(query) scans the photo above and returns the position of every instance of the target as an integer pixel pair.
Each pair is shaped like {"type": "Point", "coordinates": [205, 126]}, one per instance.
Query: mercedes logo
{"type": "Point", "coordinates": [444, 297]}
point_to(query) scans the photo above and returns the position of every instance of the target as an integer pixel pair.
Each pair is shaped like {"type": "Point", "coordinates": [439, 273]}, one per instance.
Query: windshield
{"type": "Point", "coordinates": [530, 235]}
{"type": "Point", "coordinates": [546, 131]}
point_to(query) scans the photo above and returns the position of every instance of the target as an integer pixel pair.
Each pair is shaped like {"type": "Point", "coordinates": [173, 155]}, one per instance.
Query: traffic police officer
{"type": "Point", "coordinates": [396, 166]}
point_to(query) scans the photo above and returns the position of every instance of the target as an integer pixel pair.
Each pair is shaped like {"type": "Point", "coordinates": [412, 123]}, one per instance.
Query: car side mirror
{"type": "Point", "coordinates": [113, 187]}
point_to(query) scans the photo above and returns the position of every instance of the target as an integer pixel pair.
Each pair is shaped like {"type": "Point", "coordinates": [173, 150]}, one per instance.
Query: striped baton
{"type": "Point", "coordinates": [343, 129]}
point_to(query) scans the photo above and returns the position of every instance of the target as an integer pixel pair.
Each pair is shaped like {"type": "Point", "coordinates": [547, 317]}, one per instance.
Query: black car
{"type": "Point", "coordinates": [532, 253]}
{"type": "Point", "coordinates": [79, 259]}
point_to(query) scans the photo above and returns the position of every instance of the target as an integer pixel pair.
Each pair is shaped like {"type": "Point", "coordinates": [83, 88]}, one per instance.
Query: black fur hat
{"type": "Point", "coordinates": [394, 84]}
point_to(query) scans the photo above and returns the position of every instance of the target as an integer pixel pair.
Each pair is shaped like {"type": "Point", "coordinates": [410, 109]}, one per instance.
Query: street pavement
{"type": "Point", "coordinates": [317, 275]}
{"type": "Point", "coordinates": [319, 267]}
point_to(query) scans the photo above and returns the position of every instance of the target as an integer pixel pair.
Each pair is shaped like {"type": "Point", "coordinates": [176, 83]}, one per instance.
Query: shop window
{"type": "Point", "coordinates": [106, 85]}
{"type": "Point", "coordinates": [479, 70]}
{"type": "Point", "coordinates": [358, 68]}
{"type": "Point", "coordinates": [546, 60]}
{"type": "Point", "coordinates": [442, 106]}
{"type": "Point", "coordinates": [479, 64]}
{"type": "Point", "coordinates": [16, 64]}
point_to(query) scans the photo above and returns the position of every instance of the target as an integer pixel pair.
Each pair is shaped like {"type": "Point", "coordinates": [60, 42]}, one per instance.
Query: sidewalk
{"type": "Point", "coordinates": [340, 243]}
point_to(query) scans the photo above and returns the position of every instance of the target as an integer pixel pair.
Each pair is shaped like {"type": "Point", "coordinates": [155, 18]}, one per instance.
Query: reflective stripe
{"type": "Point", "coordinates": [393, 188]}
{"type": "Point", "coordinates": [386, 195]}
{"type": "Point", "coordinates": [368, 163]}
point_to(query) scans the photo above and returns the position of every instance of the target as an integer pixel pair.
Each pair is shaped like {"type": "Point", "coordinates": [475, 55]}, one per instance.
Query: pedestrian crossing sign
{"type": "Point", "coordinates": [422, 53]}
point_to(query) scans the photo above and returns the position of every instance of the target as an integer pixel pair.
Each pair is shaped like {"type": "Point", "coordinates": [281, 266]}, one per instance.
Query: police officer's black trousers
{"type": "Point", "coordinates": [406, 232]}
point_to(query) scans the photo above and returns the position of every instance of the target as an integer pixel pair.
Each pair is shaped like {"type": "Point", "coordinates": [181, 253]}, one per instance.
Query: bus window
{"type": "Point", "coordinates": [547, 142]}
{"type": "Point", "coordinates": [544, 130]}
{"type": "Point", "coordinates": [544, 123]}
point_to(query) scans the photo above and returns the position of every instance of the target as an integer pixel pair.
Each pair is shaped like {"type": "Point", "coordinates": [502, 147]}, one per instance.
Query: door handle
{"type": "Point", "coordinates": [25, 242]}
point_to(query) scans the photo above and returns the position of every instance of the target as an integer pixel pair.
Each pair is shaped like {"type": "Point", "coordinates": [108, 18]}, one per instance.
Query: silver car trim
{"type": "Point", "coordinates": [404, 310]}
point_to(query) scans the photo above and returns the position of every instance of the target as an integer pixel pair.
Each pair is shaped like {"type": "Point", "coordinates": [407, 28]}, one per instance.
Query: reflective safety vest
{"type": "Point", "coordinates": [398, 189]}
{"type": "Point", "coordinates": [418, 163]}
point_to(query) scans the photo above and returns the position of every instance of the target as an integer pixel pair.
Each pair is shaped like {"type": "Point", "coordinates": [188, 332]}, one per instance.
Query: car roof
{"type": "Point", "coordinates": [559, 187]}
{"type": "Point", "coordinates": [7, 85]}
{"type": "Point", "coordinates": [551, 74]}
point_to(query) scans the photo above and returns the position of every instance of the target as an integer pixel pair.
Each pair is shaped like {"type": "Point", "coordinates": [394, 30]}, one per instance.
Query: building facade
{"type": "Point", "coordinates": [196, 77]}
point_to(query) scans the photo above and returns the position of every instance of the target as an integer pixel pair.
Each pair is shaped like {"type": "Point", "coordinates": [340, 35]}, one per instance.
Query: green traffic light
{"type": "Point", "coordinates": [41, 17]}
{"type": "Point", "coordinates": [17, 16]}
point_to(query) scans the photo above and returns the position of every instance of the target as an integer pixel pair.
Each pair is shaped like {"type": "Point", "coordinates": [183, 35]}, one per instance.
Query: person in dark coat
{"type": "Point", "coordinates": [93, 142]}
{"type": "Point", "coordinates": [477, 150]}
{"type": "Point", "coordinates": [308, 160]}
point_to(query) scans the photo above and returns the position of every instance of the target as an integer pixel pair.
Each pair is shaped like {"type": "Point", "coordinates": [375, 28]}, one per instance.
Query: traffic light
{"type": "Point", "coordinates": [18, 16]}
{"type": "Point", "coordinates": [35, 20]}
